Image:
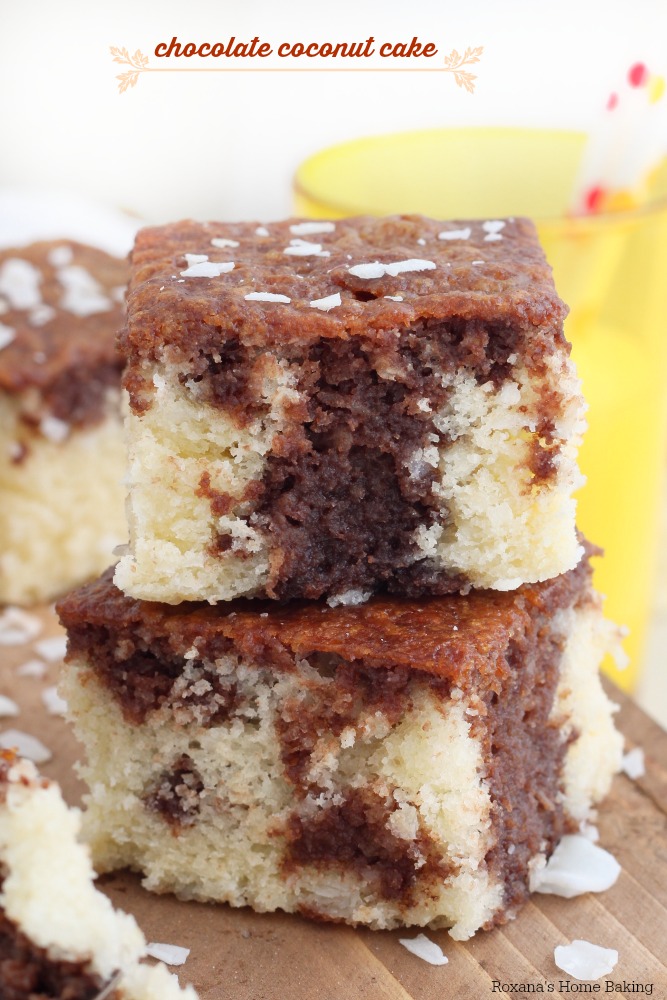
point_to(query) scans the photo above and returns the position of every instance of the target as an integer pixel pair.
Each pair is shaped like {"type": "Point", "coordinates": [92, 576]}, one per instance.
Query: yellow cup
{"type": "Point", "coordinates": [611, 270]}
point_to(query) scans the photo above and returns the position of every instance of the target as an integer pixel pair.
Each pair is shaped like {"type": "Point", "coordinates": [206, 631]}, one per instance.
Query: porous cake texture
{"type": "Point", "coordinates": [61, 939]}
{"type": "Point", "coordinates": [62, 455]}
{"type": "Point", "coordinates": [326, 409]}
{"type": "Point", "coordinates": [402, 761]}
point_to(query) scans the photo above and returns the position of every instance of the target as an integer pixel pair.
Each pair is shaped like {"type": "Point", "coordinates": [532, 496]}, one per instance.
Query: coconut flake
{"type": "Point", "coordinates": [424, 948]}
{"type": "Point", "coordinates": [32, 668]}
{"type": "Point", "coordinates": [8, 707]}
{"type": "Point", "coordinates": [455, 234]}
{"type": "Point", "coordinates": [53, 648]}
{"type": "Point", "coordinates": [368, 271]}
{"type": "Point", "coordinates": [575, 867]}
{"type": "Point", "coordinates": [633, 763]}
{"type": "Point", "coordinates": [25, 745]}
{"type": "Point", "coordinates": [492, 229]}
{"type": "Point", "coordinates": [83, 295]}
{"type": "Point", "coordinates": [584, 960]}
{"type": "Point", "coordinates": [17, 626]}
{"type": "Point", "coordinates": [302, 248]}
{"type": "Point", "coordinates": [41, 314]}
{"type": "Point", "coordinates": [589, 831]}
{"type": "Point", "coordinates": [413, 264]}
{"type": "Point", "coordinates": [349, 597]}
{"type": "Point", "coordinates": [171, 954]}
{"type": "Point", "coordinates": [394, 298]}
{"type": "Point", "coordinates": [261, 231]}
{"type": "Point", "coordinates": [478, 262]}
{"type": "Point", "coordinates": [53, 703]}
{"type": "Point", "coordinates": [311, 228]}
{"type": "Point", "coordinates": [7, 334]}
{"type": "Point", "coordinates": [53, 429]}
{"type": "Point", "coordinates": [327, 303]}
{"type": "Point", "coordinates": [266, 297]}
{"type": "Point", "coordinates": [222, 243]}
{"type": "Point", "coordinates": [207, 268]}
{"type": "Point", "coordinates": [195, 258]}
{"type": "Point", "coordinates": [19, 283]}
{"type": "Point", "coordinates": [60, 256]}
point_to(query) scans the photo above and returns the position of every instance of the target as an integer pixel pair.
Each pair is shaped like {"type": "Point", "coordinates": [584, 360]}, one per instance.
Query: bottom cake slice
{"type": "Point", "coordinates": [61, 939]}
{"type": "Point", "coordinates": [396, 762]}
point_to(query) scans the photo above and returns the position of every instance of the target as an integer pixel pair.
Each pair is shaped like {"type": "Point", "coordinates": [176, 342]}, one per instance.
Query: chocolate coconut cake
{"type": "Point", "coordinates": [61, 449]}
{"type": "Point", "coordinates": [326, 409]}
{"type": "Point", "coordinates": [402, 761]}
{"type": "Point", "coordinates": [61, 939]}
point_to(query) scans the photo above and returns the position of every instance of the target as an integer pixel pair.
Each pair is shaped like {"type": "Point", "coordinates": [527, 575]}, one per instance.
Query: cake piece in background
{"type": "Point", "coordinates": [334, 409]}
{"type": "Point", "coordinates": [62, 455]}
{"type": "Point", "coordinates": [59, 936]}
{"type": "Point", "coordinates": [397, 762]}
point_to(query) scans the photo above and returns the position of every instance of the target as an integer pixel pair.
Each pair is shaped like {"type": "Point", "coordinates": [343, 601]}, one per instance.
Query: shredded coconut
{"type": "Point", "coordinates": [82, 295]}
{"type": "Point", "coordinates": [60, 256]}
{"type": "Point", "coordinates": [7, 334]}
{"type": "Point", "coordinates": [261, 231]}
{"type": "Point", "coordinates": [492, 229]}
{"type": "Point", "coordinates": [32, 668]}
{"type": "Point", "coordinates": [53, 648]}
{"type": "Point", "coordinates": [327, 303]}
{"type": "Point", "coordinates": [367, 271]}
{"type": "Point", "coordinates": [377, 269]}
{"type": "Point", "coordinates": [394, 298]}
{"type": "Point", "coordinates": [478, 262]}
{"type": "Point", "coordinates": [222, 243]}
{"type": "Point", "coordinates": [302, 248]}
{"type": "Point", "coordinates": [207, 268]}
{"type": "Point", "coordinates": [19, 283]}
{"type": "Point", "coordinates": [634, 764]}
{"type": "Point", "coordinates": [575, 867]}
{"type": "Point", "coordinates": [266, 297]}
{"type": "Point", "coordinates": [17, 626]}
{"type": "Point", "coordinates": [589, 831]}
{"type": "Point", "coordinates": [41, 315]}
{"type": "Point", "coordinates": [455, 234]}
{"type": "Point", "coordinates": [53, 703]}
{"type": "Point", "coordinates": [584, 960]}
{"type": "Point", "coordinates": [53, 429]}
{"type": "Point", "coordinates": [424, 948]}
{"type": "Point", "coordinates": [349, 597]}
{"type": "Point", "coordinates": [170, 954]}
{"type": "Point", "coordinates": [312, 228]}
{"type": "Point", "coordinates": [413, 264]}
{"type": "Point", "coordinates": [25, 745]}
{"type": "Point", "coordinates": [7, 707]}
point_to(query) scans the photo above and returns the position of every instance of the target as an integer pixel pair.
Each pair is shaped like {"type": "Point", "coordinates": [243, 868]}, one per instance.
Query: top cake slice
{"type": "Point", "coordinates": [331, 409]}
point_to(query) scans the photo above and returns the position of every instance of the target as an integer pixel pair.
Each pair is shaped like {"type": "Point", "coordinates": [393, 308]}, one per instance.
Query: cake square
{"type": "Point", "coordinates": [62, 456]}
{"type": "Point", "coordinates": [402, 761]}
{"type": "Point", "coordinates": [326, 409]}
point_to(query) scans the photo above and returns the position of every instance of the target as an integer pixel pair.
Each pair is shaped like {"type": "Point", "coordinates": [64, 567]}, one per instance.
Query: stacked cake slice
{"type": "Point", "coordinates": [348, 666]}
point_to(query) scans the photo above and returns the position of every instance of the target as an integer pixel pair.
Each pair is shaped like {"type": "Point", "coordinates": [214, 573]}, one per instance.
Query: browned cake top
{"type": "Point", "coordinates": [445, 637]}
{"type": "Point", "coordinates": [355, 276]}
{"type": "Point", "coordinates": [61, 306]}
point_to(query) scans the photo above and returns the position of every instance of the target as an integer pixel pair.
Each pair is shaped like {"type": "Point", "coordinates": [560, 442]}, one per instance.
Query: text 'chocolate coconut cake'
{"type": "Point", "coordinates": [62, 455]}
{"type": "Point", "coordinates": [402, 761]}
{"type": "Point", "coordinates": [326, 409]}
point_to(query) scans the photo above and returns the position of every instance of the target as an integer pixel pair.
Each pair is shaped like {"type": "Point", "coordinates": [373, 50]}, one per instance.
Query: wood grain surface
{"type": "Point", "coordinates": [241, 955]}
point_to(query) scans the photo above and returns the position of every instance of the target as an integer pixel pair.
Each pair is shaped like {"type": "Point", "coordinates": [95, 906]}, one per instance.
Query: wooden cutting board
{"type": "Point", "coordinates": [240, 955]}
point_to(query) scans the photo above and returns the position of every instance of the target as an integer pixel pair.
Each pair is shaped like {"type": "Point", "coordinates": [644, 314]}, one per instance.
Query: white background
{"type": "Point", "coordinates": [226, 145]}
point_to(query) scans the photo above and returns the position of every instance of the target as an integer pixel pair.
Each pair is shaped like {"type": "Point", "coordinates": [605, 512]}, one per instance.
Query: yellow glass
{"type": "Point", "coordinates": [610, 269]}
